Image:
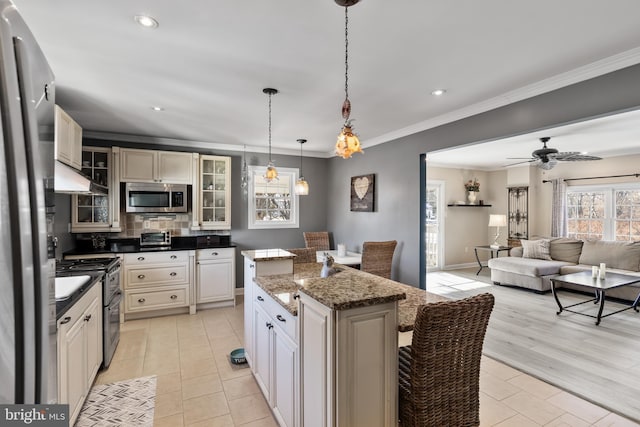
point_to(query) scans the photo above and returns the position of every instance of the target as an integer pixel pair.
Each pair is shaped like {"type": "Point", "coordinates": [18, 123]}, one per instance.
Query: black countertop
{"type": "Point", "coordinates": [64, 305]}
{"type": "Point", "coordinates": [132, 245]}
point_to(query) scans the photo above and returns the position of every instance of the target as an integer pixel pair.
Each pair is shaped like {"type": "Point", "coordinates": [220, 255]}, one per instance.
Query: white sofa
{"type": "Point", "coordinates": [569, 256]}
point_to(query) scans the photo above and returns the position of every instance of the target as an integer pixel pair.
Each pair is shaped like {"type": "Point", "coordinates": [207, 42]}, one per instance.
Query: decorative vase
{"type": "Point", "coordinates": [471, 197]}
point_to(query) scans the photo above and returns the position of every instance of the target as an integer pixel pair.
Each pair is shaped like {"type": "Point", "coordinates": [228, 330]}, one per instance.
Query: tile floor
{"type": "Point", "coordinates": [197, 386]}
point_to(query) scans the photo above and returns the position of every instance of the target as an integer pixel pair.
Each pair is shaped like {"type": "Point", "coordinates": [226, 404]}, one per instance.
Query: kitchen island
{"type": "Point", "coordinates": [324, 350]}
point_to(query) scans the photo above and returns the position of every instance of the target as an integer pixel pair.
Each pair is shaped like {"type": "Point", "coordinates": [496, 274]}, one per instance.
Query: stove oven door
{"type": "Point", "coordinates": [111, 326]}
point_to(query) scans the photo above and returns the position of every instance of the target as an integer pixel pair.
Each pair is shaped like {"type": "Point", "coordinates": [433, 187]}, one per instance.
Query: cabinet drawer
{"type": "Point", "coordinates": [279, 315]}
{"type": "Point", "coordinates": [148, 258]}
{"type": "Point", "coordinates": [169, 275]}
{"type": "Point", "coordinates": [156, 299]}
{"type": "Point", "coordinates": [215, 253]}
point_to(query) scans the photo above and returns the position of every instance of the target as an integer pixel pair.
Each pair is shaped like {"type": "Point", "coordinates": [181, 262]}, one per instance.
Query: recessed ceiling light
{"type": "Point", "coordinates": [146, 21]}
{"type": "Point", "coordinates": [438, 92]}
{"type": "Point", "coordinates": [156, 108]}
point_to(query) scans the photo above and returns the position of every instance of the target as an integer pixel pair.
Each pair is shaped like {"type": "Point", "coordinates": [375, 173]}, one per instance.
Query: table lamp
{"type": "Point", "coordinates": [497, 221]}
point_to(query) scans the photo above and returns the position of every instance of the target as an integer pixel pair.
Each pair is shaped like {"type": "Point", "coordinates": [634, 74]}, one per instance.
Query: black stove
{"type": "Point", "coordinates": [89, 264]}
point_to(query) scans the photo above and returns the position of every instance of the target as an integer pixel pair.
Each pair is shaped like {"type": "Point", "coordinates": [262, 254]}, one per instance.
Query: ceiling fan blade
{"type": "Point", "coordinates": [578, 158]}
{"type": "Point", "coordinates": [565, 154]}
{"type": "Point", "coordinates": [519, 163]}
{"type": "Point", "coordinates": [521, 158]}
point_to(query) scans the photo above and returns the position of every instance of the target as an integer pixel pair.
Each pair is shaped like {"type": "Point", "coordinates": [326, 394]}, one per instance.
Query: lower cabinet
{"type": "Point", "coordinates": [157, 281]}
{"type": "Point", "coordinates": [215, 275]}
{"type": "Point", "coordinates": [79, 350]}
{"type": "Point", "coordinates": [276, 360]}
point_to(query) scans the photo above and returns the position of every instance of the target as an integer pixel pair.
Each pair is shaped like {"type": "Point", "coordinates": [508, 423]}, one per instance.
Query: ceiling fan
{"type": "Point", "coordinates": [546, 158]}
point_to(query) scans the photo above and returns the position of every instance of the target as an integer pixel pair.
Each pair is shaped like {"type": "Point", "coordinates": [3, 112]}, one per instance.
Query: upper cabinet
{"type": "Point", "coordinates": [168, 167]}
{"type": "Point", "coordinates": [96, 212]}
{"type": "Point", "coordinates": [68, 139]}
{"type": "Point", "coordinates": [212, 203]}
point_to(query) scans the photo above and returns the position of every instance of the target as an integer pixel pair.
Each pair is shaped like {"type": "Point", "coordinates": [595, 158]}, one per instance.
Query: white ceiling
{"type": "Point", "coordinates": [208, 61]}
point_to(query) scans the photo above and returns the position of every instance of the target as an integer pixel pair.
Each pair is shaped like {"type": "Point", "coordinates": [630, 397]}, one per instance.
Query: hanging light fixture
{"type": "Point", "coordinates": [272, 173]}
{"type": "Point", "coordinates": [244, 173]}
{"type": "Point", "coordinates": [302, 186]}
{"type": "Point", "coordinates": [348, 142]}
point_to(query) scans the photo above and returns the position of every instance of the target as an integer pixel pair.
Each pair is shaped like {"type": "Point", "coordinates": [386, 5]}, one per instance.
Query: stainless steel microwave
{"type": "Point", "coordinates": [155, 197]}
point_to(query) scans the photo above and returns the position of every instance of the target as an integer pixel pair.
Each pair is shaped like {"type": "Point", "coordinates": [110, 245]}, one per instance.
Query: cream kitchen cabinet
{"type": "Point", "coordinates": [259, 263]}
{"type": "Point", "coordinates": [212, 205]}
{"type": "Point", "coordinates": [157, 281]}
{"type": "Point", "coordinates": [79, 350]}
{"type": "Point", "coordinates": [276, 361]}
{"type": "Point", "coordinates": [167, 167]}
{"type": "Point", "coordinates": [97, 212]}
{"type": "Point", "coordinates": [68, 139]}
{"type": "Point", "coordinates": [215, 276]}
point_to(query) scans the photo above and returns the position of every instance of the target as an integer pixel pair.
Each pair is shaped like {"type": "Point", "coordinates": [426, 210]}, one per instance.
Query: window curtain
{"type": "Point", "coordinates": [559, 209]}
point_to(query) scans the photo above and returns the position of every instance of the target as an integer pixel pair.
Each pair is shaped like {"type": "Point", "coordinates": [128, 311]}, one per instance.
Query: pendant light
{"type": "Point", "coordinates": [244, 173]}
{"type": "Point", "coordinates": [302, 186]}
{"type": "Point", "coordinates": [272, 173]}
{"type": "Point", "coordinates": [348, 142]}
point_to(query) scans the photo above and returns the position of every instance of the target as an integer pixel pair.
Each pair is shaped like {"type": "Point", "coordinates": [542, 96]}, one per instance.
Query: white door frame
{"type": "Point", "coordinates": [440, 223]}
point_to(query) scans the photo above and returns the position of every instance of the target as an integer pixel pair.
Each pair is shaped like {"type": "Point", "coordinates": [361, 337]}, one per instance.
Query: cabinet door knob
{"type": "Point", "coordinates": [260, 298]}
{"type": "Point", "coordinates": [280, 318]}
{"type": "Point", "coordinates": [215, 253]}
{"type": "Point", "coordinates": [173, 257]}
{"type": "Point", "coordinates": [87, 317]}
{"type": "Point", "coordinates": [269, 325]}
{"type": "Point", "coordinates": [141, 300]}
{"type": "Point", "coordinates": [140, 258]}
{"type": "Point", "coordinates": [65, 320]}
{"type": "Point", "coordinates": [172, 274]}
{"type": "Point", "coordinates": [140, 276]}
{"type": "Point", "coordinates": [296, 296]}
{"type": "Point", "coordinates": [252, 265]}
{"type": "Point", "coordinates": [174, 296]}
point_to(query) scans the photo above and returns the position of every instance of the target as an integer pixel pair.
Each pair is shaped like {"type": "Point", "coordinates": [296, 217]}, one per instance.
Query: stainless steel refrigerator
{"type": "Point", "coordinates": [27, 264]}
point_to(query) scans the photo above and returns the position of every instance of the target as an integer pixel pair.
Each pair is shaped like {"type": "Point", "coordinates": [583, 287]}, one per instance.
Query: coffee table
{"type": "Point", "coordinates": [599, 286]}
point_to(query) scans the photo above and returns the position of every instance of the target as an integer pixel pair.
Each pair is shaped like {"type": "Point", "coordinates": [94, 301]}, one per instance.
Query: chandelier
{"type": "Point", "coordinates": [348, 142]}
{"type": "Point", "coordinates": [302, 186]}
{"type": "Point", "coordinates": [272, 173]}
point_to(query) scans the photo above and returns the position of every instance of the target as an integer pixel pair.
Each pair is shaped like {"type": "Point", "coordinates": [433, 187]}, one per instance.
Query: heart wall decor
{"type": "Point", "coordinates": [362, 193]}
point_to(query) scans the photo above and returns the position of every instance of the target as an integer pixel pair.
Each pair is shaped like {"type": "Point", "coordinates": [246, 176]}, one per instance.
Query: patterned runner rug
{"type": "Point", "coordinates": [124, 403]}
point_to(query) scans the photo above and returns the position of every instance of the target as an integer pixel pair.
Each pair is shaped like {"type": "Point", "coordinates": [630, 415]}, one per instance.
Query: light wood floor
{"type": "Point", "coordinates": [197, 386]}
{"type": "Point", "coordinates": [598, 363]}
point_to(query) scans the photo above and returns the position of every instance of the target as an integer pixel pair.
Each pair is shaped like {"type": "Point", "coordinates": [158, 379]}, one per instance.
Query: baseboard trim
{"type": "Point", "coordinates": [460, 266]}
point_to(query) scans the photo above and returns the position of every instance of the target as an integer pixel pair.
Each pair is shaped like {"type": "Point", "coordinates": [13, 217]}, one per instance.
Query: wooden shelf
{"type": "Point", "coordinates": [469, 206]}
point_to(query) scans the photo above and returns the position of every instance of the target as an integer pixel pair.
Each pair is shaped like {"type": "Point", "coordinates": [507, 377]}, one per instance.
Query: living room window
{"type": "Point", "coordinates": [604, 213]}
{"type": "Point", "coordinates": [272, 204]}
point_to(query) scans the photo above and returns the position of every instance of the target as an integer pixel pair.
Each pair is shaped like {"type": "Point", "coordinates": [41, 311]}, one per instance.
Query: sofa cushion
{"type": "Point", "coordinates": [565, 249]}
{"type": "Point", "coordinates": [621, 255]}
{"type": "Point", "coordinates": [537, 249]}
{"type": "Point", "coordinates": [527, 266]}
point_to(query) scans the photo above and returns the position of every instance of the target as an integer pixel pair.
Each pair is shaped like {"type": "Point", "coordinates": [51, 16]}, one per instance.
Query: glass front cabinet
{"type": "Point", "coordinates": [214, 193]}
{"type": "Point", "coordinates": [95, 212]}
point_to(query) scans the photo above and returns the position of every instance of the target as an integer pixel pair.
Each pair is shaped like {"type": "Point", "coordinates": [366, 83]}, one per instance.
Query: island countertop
{"type": "Point", "coordinates": [349, 288]}
{"type": "Point", "coordinates": [267, 254]}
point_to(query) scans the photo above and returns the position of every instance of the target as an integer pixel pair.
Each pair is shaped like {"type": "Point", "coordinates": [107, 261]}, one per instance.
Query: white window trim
{"type": "Point", "coordinates": [608, 190]}
{"type": "Point", "coordinates": [283, 173]}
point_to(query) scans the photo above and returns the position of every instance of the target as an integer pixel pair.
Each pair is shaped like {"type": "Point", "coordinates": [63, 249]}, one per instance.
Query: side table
{"type": "Point", "coordinates": [491, 251]}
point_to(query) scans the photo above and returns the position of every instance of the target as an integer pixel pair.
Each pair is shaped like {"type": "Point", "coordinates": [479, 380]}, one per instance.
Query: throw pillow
{"type": "Point", "coordinates": [538, 249]}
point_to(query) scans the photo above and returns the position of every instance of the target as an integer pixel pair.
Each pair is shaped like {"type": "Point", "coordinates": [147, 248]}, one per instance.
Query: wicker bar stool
{"type": "Point", "coordinates": [439, 373]}
{"type": "Point", "coordinates": [319, 240]}
{"type": "Point", "coordinates": [303, 255]}
{"type": "Point", "coordinates": [377, 257]}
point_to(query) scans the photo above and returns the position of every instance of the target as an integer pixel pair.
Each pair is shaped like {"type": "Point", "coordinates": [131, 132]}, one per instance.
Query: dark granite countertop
{"type": "Point", "coordinates": [64, 305]}
{"type": "Point", "coordinates": [132, 245]}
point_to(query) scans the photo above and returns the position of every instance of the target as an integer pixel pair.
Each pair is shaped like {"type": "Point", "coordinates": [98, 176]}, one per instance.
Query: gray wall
{"type": "Point", "coordinates": [397, 166]}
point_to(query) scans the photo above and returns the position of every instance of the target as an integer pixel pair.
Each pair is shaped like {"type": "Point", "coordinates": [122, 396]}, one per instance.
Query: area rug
{"type": "Point", "coordinates": [124, 403]}
{"type": "Point", "coordinates": [597, 363]}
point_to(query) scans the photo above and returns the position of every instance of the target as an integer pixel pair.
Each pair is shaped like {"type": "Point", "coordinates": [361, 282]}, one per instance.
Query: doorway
{"type": "Point", "coordinates": [431, 223]}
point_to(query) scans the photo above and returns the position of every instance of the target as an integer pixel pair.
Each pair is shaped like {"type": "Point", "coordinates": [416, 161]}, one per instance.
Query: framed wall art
{"type": "Point", "coordinates": [362, 193]}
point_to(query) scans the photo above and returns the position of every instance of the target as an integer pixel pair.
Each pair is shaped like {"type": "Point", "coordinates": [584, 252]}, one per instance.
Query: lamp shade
{"type": "Point", "coordinates": [497, 220]}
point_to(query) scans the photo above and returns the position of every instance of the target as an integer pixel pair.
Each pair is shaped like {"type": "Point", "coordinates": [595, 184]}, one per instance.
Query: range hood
{"type": "Point", "coordinates": [69, 180]}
